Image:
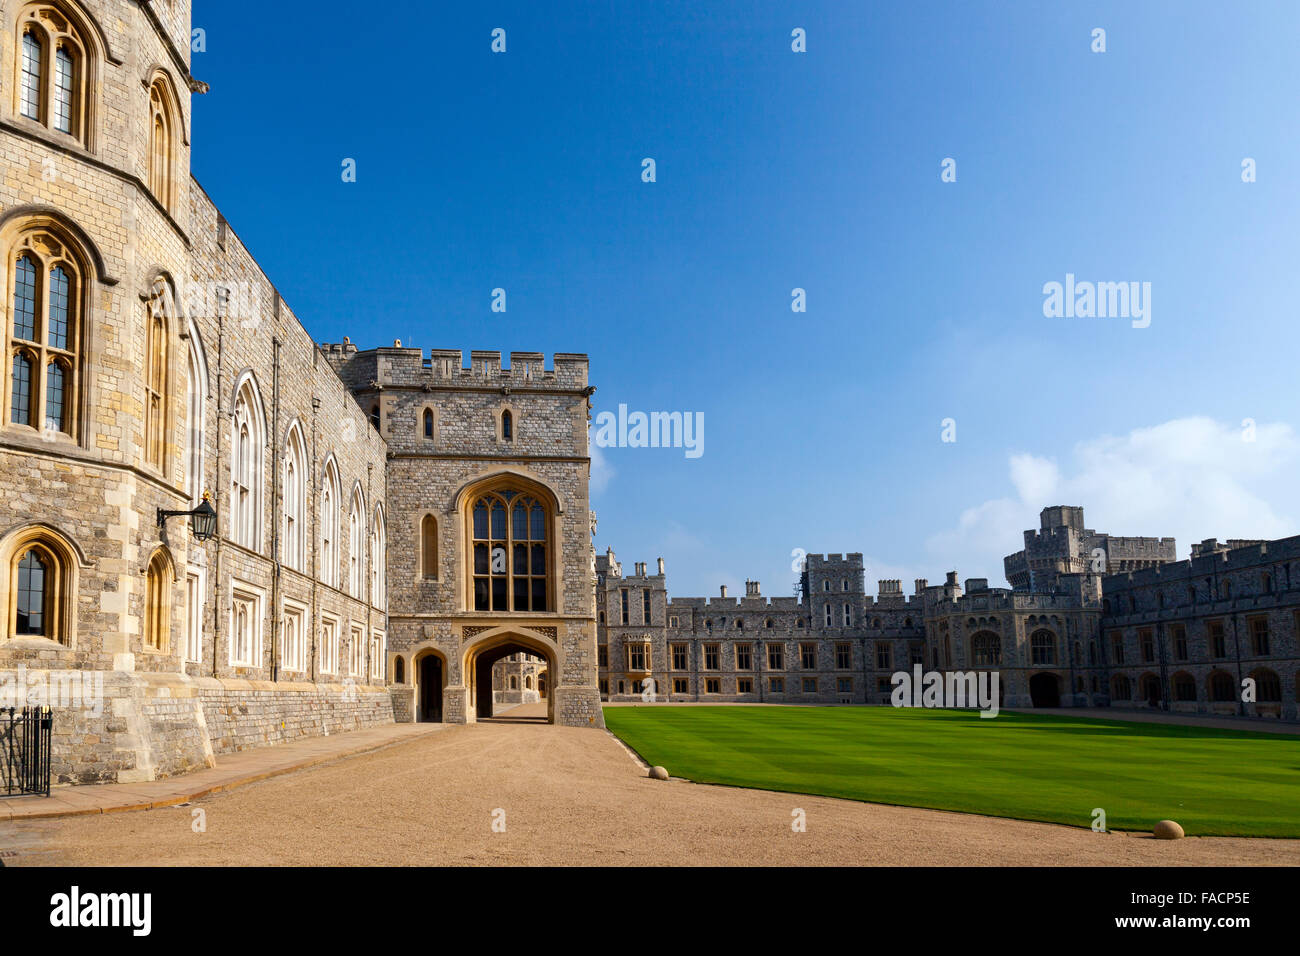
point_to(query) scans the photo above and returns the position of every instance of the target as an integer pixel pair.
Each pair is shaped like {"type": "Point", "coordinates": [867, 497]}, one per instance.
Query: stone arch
{"type": "Point", "coordinates": [496, 482]}
{"type": "Point", "coordinates": [485, 649]}
{"type": "Point", "coordinates": [1045, 689]}
{"type": "Point", "coordinates": [1268, 692]}
{"type": "Point", "coordinates": [1220, 687]}
{"type": "Point", "coordinates": [161, 573]}
{"type": "Point", "coordinates": [426, 532]}
{"type": "Point", "coordinates": [160, 75]}
{"type": "Point", "coordinates": [1149, 690]}
{"type": "Point", "coordinates": [427, 423]}
{"type": "Point", "coordinates": [1184, 685]}
{"type": "Point", "coordinates": [38, 216]}
{"type": "Point", "coordinates": [430, 678]}
{"type": "Point", "coordinates": [1121, 688]}
{"type": "Point", "coordinates": [67, 559]}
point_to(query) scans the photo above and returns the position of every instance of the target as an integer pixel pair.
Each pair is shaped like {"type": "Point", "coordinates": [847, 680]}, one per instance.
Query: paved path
{"type": "Point", "coordinates": [566, 796]}
{"type": "Point", "coordinates": [232, 770]}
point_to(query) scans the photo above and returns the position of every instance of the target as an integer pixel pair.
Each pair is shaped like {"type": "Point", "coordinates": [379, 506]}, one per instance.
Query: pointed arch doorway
{"type": "Point", "coordinates": [482, 654]}
{"type": "Point", "coordinates": [430, 679]}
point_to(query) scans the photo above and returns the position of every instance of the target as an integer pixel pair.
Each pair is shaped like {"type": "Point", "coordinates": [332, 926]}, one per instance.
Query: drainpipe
{"type": "Point", "coordinates": [370, 597]}
{"type": "Point", "coordinates": [275, 497]}
{"type": "Point", "coordinates": [223, 509]}
{"type": "Point", "coordinates": [314, 497]}
{"type": "Point", "coordinates": [1236, 649]}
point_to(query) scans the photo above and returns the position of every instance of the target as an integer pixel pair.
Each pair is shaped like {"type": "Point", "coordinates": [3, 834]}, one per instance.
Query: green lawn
{"type": "Point", "coordinates": [1054, 768]}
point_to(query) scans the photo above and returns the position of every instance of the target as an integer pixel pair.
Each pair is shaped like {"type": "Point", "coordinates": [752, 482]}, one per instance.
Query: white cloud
{"type": "Point", "coordinates": [602, 472]}
{"type": "Point", "coordinates": [1190, 478]}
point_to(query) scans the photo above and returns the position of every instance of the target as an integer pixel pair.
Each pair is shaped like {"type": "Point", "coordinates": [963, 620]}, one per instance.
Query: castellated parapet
{"type": "Point", "coordinates": [1063, 545]}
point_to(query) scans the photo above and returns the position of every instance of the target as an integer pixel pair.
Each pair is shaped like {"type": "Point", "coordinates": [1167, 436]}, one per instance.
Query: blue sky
{"type": "Point", "coordinates": [816, 170]}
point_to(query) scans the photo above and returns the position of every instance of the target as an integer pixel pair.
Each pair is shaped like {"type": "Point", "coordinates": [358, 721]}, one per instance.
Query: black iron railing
{"type": "Point", "coordinates": [25, 736]}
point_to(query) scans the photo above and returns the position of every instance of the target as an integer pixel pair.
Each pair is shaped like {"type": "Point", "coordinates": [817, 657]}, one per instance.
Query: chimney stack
{"type": "Point", "coordinates": [751, 589]}
{"type": "Point", "coordinates": [920, 585]}
{"type": "Point", "coordinates": [724, 590]}
{"type": "Point", "coordinates": [661, 565]}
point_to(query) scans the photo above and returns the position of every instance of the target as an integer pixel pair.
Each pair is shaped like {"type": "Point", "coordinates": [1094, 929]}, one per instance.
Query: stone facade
{"type": "Point", "coordinates": [182, 371]}
{"type": "Point", "coordinates": [1173, 635]}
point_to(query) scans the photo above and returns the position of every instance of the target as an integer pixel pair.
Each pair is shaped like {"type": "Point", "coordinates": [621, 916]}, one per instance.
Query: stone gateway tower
{"type": "Point", "coordinates": [486, 478]}
{"type": "Point", "coordinates": [389, 523]}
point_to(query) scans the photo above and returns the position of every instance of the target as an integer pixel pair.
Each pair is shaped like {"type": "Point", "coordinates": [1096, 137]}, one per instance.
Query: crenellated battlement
{"type": "Point", "coordinates": [398, 366]}
{"type": "Point", "coordinates": [1208, 563]}
{"type": "Point", "coordinates": [818, 561]}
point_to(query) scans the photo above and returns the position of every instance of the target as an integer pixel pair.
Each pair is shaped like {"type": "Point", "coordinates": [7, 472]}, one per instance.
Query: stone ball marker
{"type": "Point", "coordinates": [658, 773]}
{"type": "Point", "coordinates": [1167, 830]}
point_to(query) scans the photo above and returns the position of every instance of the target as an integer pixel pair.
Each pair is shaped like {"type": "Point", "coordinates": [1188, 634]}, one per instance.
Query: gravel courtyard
{"type": "Point", "coordinates": [570, 796]}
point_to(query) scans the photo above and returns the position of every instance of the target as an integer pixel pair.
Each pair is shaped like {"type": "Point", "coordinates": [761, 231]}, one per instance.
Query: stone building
{"type": "Point", "coordinates": [1063, 545]}
{"type": "Point", "coordinates": [1167, 634]}
{"type": "Point", "coordinates": [150, 364]}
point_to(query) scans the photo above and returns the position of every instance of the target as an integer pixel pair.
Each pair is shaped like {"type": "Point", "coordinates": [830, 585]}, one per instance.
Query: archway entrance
{"type": "Point", "coordinates": [541, 685]}
{"type": "Point", "coordinates": [1151, 690]}
{"type": "Point", "coordinates": [1045, 690]}
{"type": "Point", "coordinates": [428, 686]}
{"type": "Point", "coordinates": [488, 701]}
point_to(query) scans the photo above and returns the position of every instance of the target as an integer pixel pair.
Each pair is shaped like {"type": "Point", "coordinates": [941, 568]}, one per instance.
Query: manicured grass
{"type": "Point", "coordinates": [1055, 768]}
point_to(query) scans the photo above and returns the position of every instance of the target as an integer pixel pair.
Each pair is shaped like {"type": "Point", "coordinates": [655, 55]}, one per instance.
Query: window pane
{"type": "Point", "coordinates": [22, 391]}
{"type": "Point", "coordinates": [480, 521]}
{"type": "Point", "coordinates": [63, 90]}
{"type": "Point", "coordinates": [25, 300]}
{"type": "Point", "coordinates": [31, 78]}
{"type": "Point", "coordinates": [521, 594]}
{"type": "Point", "coordinates": [498, 522]}
{"type": "Point", "coordinates": [539, 594]}
{"type": "Point", "coordinates": [539, 524]}
{"type": "Point", "coordinates": [481, 594]}
{"type": "Point", "coordinates": [539, 559]}
{"type": "Point", "coordinates": [54, 418]}
{"type": "Point", "coordinates": [481, 559]}
{"type": "Point", "coordinates": [31, 594]}
{"type": "Point", "coordinates": [520, 516]}
{"type": "Point", "coordinates": [521, 559]}
{"type": "Point", "coordinates": [499, 594]}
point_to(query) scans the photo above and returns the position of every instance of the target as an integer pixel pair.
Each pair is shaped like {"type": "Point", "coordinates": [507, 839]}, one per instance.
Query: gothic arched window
{"type": "Point", "coordinates": [429, 546]}
{"type": "Point", "coordinates": [196, 387]}
{"type": "Point", "coordinates": [35, 586]}
{"type": "Point", "coordinates": [29, 83]}
{"type": "Point", "coordinates": [356, 541]}
{"type": "Point", "coordinates": [157, 341]}
{"type": "Point", "coordinates": [1042, 647]}
{"type": "Point", "coordinates": [246, 466]}
{"type": "Point", "coordinates": [330, 507]}
{"type": "Point", "coordinates": [45, 336]}
{"type": "Point", "coordinates": [378, 561]}
{"type": "Point", "coordinates": [41, 599]}
{"type": "Point", "coordinates": [508, 529]}
{"type": "Point", "coordinates": [162, 143]}
{"type": "Point", "coordinates": [53, 58]}
{"type": "Point", "coordinates": [295, 501]}
{"type": "Point", "coordinates": [986, 649]}
{"type": "Point", "coordinates": [157, 620]}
